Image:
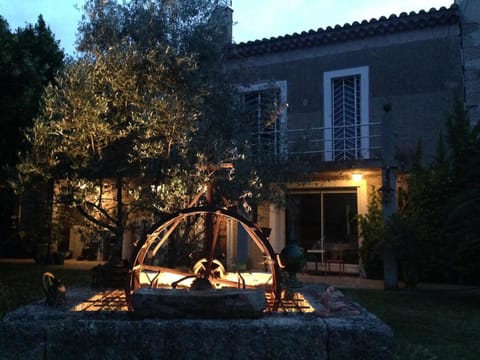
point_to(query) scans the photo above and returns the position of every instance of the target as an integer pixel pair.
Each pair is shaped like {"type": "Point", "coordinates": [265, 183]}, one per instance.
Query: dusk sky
{"type": "Point", "coordinates": [254, 19]}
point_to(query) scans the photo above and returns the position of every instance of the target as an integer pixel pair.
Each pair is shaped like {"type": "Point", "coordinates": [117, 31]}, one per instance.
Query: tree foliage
{"type": "Point", "coordinates": [30, 57]}
{"type": "Point", "coordinates": [461, 210]}
{"type": "Point", "coordinates": [436, 230]}
{"type": "Point", "coordinates": [147, 109]}
{"type": "Point", "coordinates": [448, 187]}
{"type": "Point", "coordinates": [29, 60]}
{"type": "Point", "coordinates": [372, 233]}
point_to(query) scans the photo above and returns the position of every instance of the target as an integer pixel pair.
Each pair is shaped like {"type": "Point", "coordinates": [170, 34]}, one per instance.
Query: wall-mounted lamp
{"type": "Point", "coordinates": [357, 177]}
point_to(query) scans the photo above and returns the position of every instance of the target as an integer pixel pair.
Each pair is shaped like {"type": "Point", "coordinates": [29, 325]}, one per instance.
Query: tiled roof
{"type": "Point", "coordinates": [348, 32]}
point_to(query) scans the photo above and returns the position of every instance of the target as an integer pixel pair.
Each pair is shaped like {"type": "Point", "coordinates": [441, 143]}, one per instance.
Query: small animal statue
{"type": "Point", "coordinates": [334, 304]}
{"type": "Point", "coordinates": [55, 291]}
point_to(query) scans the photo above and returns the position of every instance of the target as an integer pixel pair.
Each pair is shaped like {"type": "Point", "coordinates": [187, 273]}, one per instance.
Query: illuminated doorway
{"type": "Point", "coordinates": [325, 219]}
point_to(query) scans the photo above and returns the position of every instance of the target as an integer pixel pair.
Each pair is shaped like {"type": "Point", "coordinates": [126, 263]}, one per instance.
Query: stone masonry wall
{"type": "Point", "coordinates": [470, 17]}
{"type": "Point", "coordinates": [39, 332]}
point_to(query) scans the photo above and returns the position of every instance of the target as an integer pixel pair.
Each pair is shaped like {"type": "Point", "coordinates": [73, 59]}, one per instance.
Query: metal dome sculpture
{"type": "Point", "coordinates": [201, 276]}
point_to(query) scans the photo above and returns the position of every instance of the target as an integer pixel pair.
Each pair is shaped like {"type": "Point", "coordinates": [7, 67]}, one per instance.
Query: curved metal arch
{"type": "Point", "coordinates": [164, 229]}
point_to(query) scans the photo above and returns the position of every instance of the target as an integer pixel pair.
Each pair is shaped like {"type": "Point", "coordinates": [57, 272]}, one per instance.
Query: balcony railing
{"type": "Point", "coordinates": [322, 143]}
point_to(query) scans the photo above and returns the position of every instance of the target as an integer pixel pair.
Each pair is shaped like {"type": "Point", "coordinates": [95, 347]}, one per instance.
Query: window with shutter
{"type": "Point", "coordinates": [346, 114]}
{"type": "Point", "coordinates": [264, 105]}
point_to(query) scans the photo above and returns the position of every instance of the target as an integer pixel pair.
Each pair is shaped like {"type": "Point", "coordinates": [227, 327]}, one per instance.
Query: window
{"type": "Point", "coordinates": [346, 130]}
{"type": "Point", "coordinates": [265, 106]}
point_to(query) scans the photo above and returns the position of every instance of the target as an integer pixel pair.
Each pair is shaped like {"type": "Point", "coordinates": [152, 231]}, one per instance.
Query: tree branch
{"type": "Point", "coordinates": [96, 221]}
{"type": "Point", "coordinates": [101, 210]}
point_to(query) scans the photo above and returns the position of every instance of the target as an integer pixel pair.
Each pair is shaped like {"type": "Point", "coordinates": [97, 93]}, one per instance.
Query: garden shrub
{"type": "Point", "coordinates": [6, 299]}
{"type": "Point", "coordinates": [371, 231]}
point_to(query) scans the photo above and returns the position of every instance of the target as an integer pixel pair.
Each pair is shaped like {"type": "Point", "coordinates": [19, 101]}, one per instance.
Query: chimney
{"type": "Point", "coordinates": [469, 10]}
{"type": "Point", "coordinates": [223, 17]}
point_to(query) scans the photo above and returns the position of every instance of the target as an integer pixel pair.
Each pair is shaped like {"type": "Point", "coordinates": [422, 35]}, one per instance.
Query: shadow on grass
{"type": "Point", "coordinates": [441, 324]}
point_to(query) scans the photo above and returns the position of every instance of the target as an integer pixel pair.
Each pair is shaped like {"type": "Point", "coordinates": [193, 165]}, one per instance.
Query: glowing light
{"type": "Point", "coordinates": [164, 279]}
{"type": "Point", "coordinates": [103, 301]}
{"type": "Point", "coordinates": [357, 177]}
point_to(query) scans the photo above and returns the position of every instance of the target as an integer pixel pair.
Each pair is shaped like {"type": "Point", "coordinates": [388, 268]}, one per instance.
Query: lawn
{"type": "Point", "coordinates": [443, 324]}
{"type": "Point", "coordinates": [20, 284]}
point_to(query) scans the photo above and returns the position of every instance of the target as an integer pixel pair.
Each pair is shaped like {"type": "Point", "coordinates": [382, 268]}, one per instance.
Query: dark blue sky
{"type": "Point", "coordinates": [254, 19]}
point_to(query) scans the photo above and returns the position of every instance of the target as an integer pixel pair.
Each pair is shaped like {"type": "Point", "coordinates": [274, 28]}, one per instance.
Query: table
{"type": "Point", "coordinates": [340, 263]}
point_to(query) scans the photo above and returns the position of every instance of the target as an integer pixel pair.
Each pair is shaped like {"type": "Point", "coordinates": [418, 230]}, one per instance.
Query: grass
{"type": "Point", "coordinates": [20, 284]}
{"type": "Point", "coordinates": [442, 324]}
{"type": "Point", "coordinates": [427, 324]}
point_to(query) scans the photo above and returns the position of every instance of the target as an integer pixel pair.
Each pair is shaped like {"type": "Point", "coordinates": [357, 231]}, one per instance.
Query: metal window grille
{"type": "Point", "coordinates": [263, 108]}
{"type": "Point", "coordinates": [346, 118]}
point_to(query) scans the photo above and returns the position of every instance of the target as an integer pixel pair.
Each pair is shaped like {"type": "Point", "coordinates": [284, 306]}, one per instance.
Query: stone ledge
{"type": "Point", "coordinates": [211, 303]}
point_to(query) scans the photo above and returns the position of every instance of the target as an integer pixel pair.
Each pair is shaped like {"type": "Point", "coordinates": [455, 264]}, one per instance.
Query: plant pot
{"type": "Point", "coordinates": [410, 274]}
{"type": "Point", "coordinates": [59, 258]}
{"type": "Point", "coordinates": [42, 255]}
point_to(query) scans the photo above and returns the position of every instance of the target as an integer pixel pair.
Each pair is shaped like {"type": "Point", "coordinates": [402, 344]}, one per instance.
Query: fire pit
{"type": "Point", "coordinates": [203, 286]}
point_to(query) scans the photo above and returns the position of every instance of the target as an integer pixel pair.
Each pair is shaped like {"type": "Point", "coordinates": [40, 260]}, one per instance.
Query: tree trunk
{"type": "Point", "coordinates": [116, 256]}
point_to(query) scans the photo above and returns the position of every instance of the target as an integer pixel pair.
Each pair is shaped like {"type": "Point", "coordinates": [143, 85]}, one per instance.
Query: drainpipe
{"type": "Point", "coordinates": [389, 198]}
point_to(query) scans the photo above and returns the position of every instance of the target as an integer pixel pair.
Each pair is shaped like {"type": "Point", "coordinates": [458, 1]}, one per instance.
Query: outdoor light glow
{"type": "Point", "coordinates": [115, 300]}
{"type": "Point", "coordinates": [254, 279]}
{"type": "Point", "coordinates": [103, 301]}
{"type": "Point", "coordinates": [165, 279]}
{"type": "Point", "coordinates": [357, 177]}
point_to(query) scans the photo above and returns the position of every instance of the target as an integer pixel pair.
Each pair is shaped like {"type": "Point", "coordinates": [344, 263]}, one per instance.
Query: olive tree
{"type": "Point", "coordinates": [148, 111]}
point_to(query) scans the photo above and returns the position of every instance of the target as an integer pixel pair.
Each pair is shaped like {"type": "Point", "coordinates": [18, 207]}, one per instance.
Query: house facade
{"type": "Point", "coordinates": [354, 101]}
{"type": "Point", "coordinates": [349, 103]}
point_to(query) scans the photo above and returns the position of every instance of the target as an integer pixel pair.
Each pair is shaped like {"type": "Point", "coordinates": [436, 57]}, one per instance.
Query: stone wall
{"type": "Point", "coordinates": [418, 72]}
{"type": "Point", "coordinates": [470, 17]}
{"type": "Point", "coordinates": [39, 332]}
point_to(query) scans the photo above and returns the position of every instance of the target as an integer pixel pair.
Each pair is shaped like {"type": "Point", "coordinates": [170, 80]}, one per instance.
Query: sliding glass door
{"type": "Point", "coordinates": [325, 219]}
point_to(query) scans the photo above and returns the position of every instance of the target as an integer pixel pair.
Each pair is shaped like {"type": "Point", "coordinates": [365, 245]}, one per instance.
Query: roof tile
{"type": "Point", "coordinates": [347, 32]}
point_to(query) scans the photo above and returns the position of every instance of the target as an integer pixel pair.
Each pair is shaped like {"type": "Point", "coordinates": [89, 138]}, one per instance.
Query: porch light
{"type": "Point", "coordinates": [357, 177]}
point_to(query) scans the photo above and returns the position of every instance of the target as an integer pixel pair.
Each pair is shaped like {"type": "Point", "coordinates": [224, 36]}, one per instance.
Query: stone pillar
{"type": "Point", "coordinates": [242, 247]}
{"type": "Point", "coordinates": [243, 240]}
{"type": "Point", "coordinates": [277, 224]}
{"type": "Point", "coordinates": [470, 29]}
